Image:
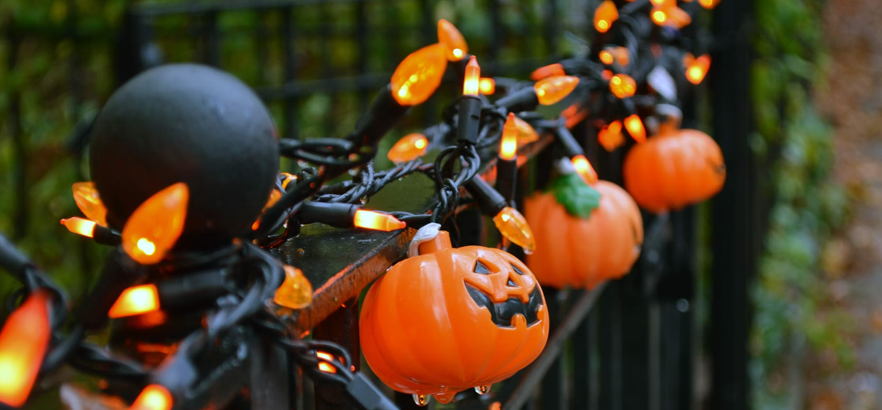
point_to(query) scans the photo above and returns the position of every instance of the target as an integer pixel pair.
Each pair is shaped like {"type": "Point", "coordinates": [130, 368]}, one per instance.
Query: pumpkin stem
{"type": "Point", "coordinates": [578, 198]}
{"type": "Point", "coordinates": [438, 243]}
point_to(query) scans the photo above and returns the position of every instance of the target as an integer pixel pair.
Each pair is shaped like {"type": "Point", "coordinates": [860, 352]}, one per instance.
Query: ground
{"type": "Point", "coordinates": [853, 261]}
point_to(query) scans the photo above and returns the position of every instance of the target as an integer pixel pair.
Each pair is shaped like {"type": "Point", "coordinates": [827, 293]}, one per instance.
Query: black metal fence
{"type": "Point", "coordinates": [631, 344]}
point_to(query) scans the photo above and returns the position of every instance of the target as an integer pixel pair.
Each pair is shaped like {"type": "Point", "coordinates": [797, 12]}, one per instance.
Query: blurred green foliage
{"type": "Point", "coordinates": [791, 138]}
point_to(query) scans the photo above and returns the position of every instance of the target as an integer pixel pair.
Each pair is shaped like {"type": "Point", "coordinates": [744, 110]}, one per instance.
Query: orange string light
{"type": "Point", "coordinates": [553, 89]}
{"type": "Point", "coordinates": [635, 127]}
{"type": "Point", "coordinates": [154, 227]}
{"type": "Point", "coordinates": [584, 169]}
{"type": "Point", "coordinates": [697, 69]}
{"type": "Point", "coordinates": [408, 148]}
{"type": "Point", "coordinates": [418, 76]}
{"type": "Point", "coordinates": [135, 300]}
{"type": "Point", "coordinates": [23, 343]}
{"type": "Point", "coordinates": [89, 202]}
{"type": "Point", "coordinates": [80, 226]}
{"type": "Point", "coordinates": [551, 70]}
{"type": "Point", "coordinates": [377, 221]}
{"type": "Point", "coordinates": [488, 86]}
{"type": "Point", "coordinates": [622, 85]}
{"type": "Point", "coordinates": [472, 83]}
{"type": "Point", "coordinates": [454, 43]}
{"type": "Point", "coordinates": [153, 397]}
{"type": "Point", "coordinates": [508, 147]}
{"type": "Point", "coordinates": [605, 15]}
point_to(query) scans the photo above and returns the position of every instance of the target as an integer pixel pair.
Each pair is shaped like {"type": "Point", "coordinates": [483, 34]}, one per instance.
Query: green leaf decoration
{"type": "Point", "coordinates": [577, 197]}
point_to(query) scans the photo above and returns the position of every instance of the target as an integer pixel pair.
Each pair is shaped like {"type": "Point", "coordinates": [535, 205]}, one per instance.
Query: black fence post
{"type": "Point", "coordinates": [734, 217]}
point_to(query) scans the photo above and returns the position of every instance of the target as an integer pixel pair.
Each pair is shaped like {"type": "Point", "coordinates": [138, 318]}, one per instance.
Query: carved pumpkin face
{"type": "Point", "coordinates": [674, 169]}
{"type": "Point", "coordinates": [583, 251]}
{"type": "Point", "coordinates": [452, 319]}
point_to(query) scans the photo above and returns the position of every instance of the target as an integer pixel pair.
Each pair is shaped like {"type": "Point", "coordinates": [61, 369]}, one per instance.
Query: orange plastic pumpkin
{"type": "Point", "coordinates": [674, 169]}
{"type": "Point", "coordinates": [450, 319]}
{"type": "Point", "coordinates": [584, 234]}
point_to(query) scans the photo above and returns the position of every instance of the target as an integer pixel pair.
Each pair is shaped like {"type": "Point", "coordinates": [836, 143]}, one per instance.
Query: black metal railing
{"type": "Point", "coordinates": [629, 344]}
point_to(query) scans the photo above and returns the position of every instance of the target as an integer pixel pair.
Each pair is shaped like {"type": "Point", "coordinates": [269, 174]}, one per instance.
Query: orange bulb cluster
{"type": "Point", "coordinates": [418, 76]}
{"type": "Point", "coordinates": [610, 137]}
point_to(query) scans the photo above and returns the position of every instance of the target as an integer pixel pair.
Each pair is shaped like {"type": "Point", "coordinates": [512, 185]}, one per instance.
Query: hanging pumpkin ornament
{"type": "Point", "coordinates": [674, 169]}
{"type": "Point", "coordinates": [446, 320]}
{"type": "Point", "coordinates": [585, 233]}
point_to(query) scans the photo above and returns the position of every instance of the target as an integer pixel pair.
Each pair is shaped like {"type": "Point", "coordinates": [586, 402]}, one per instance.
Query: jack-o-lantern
{"type": "Point", "coordinates": [674, 169]}
{"type": "Point", "coordinates": [584, 234]}
{"type": "Point", "coordinates": [448, 320]}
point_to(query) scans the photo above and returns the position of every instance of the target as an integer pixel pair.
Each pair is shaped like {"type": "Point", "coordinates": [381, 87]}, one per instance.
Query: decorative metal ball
{"type": "Point", "coordinates": [193, 124]}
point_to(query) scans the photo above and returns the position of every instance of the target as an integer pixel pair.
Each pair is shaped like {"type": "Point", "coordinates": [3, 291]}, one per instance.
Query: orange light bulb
{"type": "Point", "coordinates": [659, 17]}
{"type": "Point", "coordinates": [377, 221]}
{"type": "Point", "coordinates": [514, 227]}
{"type": "Point", "coordinates": [274, 197]}
{"type": "Point", "coordinates": [708, 4]}
{"type": "Point", "coordinates": [611, 136]}
{"type": "Point", "coordinates": [288, 179]}
{"type": "Point", "coordinates": [620, 55]}
{"type": "Point", "coordinates": [671, 16]}
{"type": "Point", "coordinates": [409, 148]}
{"type": "Point", "coordinates": [696, 71]}
{"type": "Point", "coordinates": [551, 70]}
{"type": "Point", "coordinates": [156, 225]}
{"type": "Point", "coordinates": [153, 397]}
{"type": "Point", "coordinates": [488, 86]}
{"type": "Point", "coordinates": [526, 133]}
{"type": "Point", "coordinates": [635, 127]}
{"type": "Point", "coordinates": [454, 43]}
{"type": "Point", "coordinates": [80, 226]}
{"type": "Point", "coordinates": [327, 368]}
{"type": "Point", "coordinates": [23, 343]}
{"type": "Point", "coordinates": [508, 147]}
{"type": "Point", "coordinates": [605, 15]}
{"type": "Point", "coordinates": [135, 300]}
{"type": "Point", "coordinates": [296, 292]}
{"type": "Point", "coordinates": [606, 57]}
{"type": "Point", "coordinates": [584, 169]}
{"type": "Point", "coordinates": [86, 196]}
{"type": "Point", "coordinates": [622, 85]}
{"type": "Point", "coordinates": [554, 89]}
{"type": "Point", "coordinates": [472, 83]}
{"type": "Point", "coordinates": [418, 76]}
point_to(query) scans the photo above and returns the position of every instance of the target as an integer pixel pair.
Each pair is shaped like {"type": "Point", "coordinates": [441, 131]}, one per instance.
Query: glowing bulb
{"type": "Point", "coordinates": [606, 57]}
{"type": "Point", "coordinates": [153, 397]}
{"type": "Point", "coordinates": [472, 83]}
{"type": "Point", "coordinates": [377, 221]}
{"type": "Point", "coordinates": [296, 291]}
{"type": "Point", "coordinates": [708, 4]}
{"type": "Point", "coordinates": [606, 74]}
{"type": "Point", "coordinates": [584, 169]}
{"type": "Point", "coordinates": [508, 147]}
{"type": "Point", "coordinates": [454, 43]}
{"type": "Point", "coordinates": [324, 356]}
{"type": "Point", "coordinates": [156, 225]}
{"type": "Point", "coordinates": [551, 70]}
{"type": "Point", "coordinates": [288, 179]}
{"type": "Point", "coordinates": [135, 300]}
{"type": "Point", "coordinates": [327, 368]}
{"type": "Point", "coordinates": [622, 85]}
{"type": "Point", "coordinates": [526, 133]}
{"type": "Point", "coordinates": [696, 71]}
{"type": "Point", "coordinates": [418, 76]}
{"type": "Point", "coordinates": [635, 127]}
{"type": "Point", "coordinates": [86, 196]}
{"type": "Point", "coordinates": [605, 15]}
{"type": "Point", "coordinates": [554, 89]}
{"type": "Point", "coordinates": [488, 86]}
{"type": "Point", "coordinates": [80, 226]}
{"type": "Point", "coordinates": [659, 17]}
{"type": "Point", "coordinates": [611, 136]}
{"type": "Point", "coordinates": [514, 227]}
{"type": "Point", "coordinates": [619, 55]}
{"type": "Point", "coordinates": [274, 197]}
{"type": "Point", "coordinates": [658, 3]}
{"type": "Point", "coordinates": [409, 148]}
{"type": "Point", "coordinates": [23, 342]}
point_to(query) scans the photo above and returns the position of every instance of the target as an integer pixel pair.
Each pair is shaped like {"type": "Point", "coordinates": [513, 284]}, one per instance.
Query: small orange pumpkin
{"type": "Point", "coordinates": [584, 234]}
{"type": "Point", "coordinates": [674, 169]}
{"type": "Point", "coordinates": [450, 319]}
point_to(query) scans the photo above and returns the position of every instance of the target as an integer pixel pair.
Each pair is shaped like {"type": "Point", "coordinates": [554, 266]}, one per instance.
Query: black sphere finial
{"type": "Point", "coordinates": [193, 124]}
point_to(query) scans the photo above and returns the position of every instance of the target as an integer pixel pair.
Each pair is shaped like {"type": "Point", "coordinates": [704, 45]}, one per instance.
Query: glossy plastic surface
{"type": "Point", "coordinates": [418, 76]}
{"type": "Point", "coordinates": [86, 196]}
{"type": "Point", "coordinates": [675, 169]}
{"type": "Point", "coordinates": [155, 226]}
{"type": "Point", "coordinates": [584, 252]}
{"type": "Point", "coordinates": [23, 342]}
{"type": "Point", "coordinates": [423, 333]}
{"type": "Point", "coordinates": [455, 46]}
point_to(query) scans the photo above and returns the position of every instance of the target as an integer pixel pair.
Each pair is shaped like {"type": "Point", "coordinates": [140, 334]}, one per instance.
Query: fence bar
{"type": "Point", "coordinates": [733, 237]}
{"type": "Point", "coordinates": [552, 390]}
{"type": "Point", "coordinates": [581, 345]}
{"type": "Point", "coordinates": [553, 348]}
{"type": "Point", "coordinates": [340, 327]}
